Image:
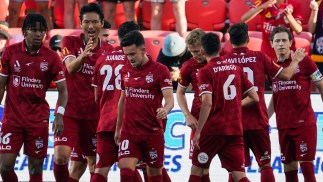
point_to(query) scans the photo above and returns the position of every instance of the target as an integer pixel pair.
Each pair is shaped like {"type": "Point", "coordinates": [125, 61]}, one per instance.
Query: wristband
{"type": "Point", "coordinates": [61, 110]}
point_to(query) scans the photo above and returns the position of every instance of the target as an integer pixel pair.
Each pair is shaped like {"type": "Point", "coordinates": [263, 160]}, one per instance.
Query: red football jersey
{"type": "Point", "coordinates": [107, 79]}
{"type": "Point", "coordinates": [292, 101]}
{"type": "Point", "coordinates": [29, 77]}
{"type": "Point", "coordinates": [81, 102]}
{"type": "Point", "coordinates": [227, 83]}
{"type": "Point", "coordinates": [255, 65]}
{"type": "Point", "coordinates": [143, 88]}
{"type": "Point", "coordinates": [188, 75]}
{"type": "Point", "coordinates": [274, 16]}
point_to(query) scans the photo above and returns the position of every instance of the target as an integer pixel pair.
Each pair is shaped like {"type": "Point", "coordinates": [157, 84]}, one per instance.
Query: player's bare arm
{"type": "Point", "coordinates": [313, 18]}
{"type": "Point", "coordinates": [182, 102]}
{"type": "Point", "coordinates": [297, 57]}
{"type": "Point", "coordinates": [296, 25]}
{"type": "Point", "coordinates": [74, 64]}
{"type": "Point", "coordinates": [252, 98]}
{"type": "Point", "coordinates": [168, 106]}
{"type": "Point", "coordinates": [58, 125]}
{"type": "Point", "coordinates": [3, 83]}
{"type": "Point", "coordinates": [204, 114]}
{"type": "Point", "coordinates": [96, 95]}
{"type": "Point", "coordinates": [120, 117]}
{"type": "Point", "coordinates": [270, 109]}
{"type": "Point", "coordinates": [249, 15]}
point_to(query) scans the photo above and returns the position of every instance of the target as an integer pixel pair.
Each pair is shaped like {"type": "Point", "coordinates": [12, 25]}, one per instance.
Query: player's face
{"type": "Point", "coordinates": [104, 34]}
{"type": "Point", "coordinates": [35, 35]}
{"type": "Point", "coordinates": [91, 25]}
{"type": "Point", "coordinates": [281, 44]}
{"type": "Point", "coordinates": [196, 52]}
{"type": "Point", "coordinates": [135, 55]}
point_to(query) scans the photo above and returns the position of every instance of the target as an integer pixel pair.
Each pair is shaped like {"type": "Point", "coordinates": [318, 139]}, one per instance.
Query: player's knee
{"type": "Point", "coordinates": [5, 169]}
{"type": "Point", "coordinates": [35, 169]}
{"type": "Point", "coordinates": [61, 159]}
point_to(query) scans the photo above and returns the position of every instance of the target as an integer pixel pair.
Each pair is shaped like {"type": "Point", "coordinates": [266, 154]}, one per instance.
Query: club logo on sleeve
{"type": "Point", "coordinates": [202, 158]}
{"type": "Point", "coordinates": [149, 78]}
{"type": "Point", "coordinates": [39, 143]}
{"type": "Point", "coordinates": [16, 80]}
{"type": "Point", "coordinates": [44, 66]}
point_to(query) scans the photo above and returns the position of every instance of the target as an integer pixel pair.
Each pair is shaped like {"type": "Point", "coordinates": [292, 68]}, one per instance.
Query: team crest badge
{"type": "Point", "coordinates": [153, 154]}
{"type": "Point", "coordinates": [44, 66]}
{"type": "Point", "coordinates": [39, 143]}
{"type": "Point", "coordinates": [16, 80]}
{"type": "Point", "coordinates": [149, 78]}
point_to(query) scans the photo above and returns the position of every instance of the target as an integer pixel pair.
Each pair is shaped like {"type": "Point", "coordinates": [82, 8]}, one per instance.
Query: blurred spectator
{"type": "Point", "coordinates": [69, 8]}
{"type": "Point", "coordinates": [109, 9]}
{"type": "Point", "coordinates": [105, 31]}
{"type": "Point", "coordinates": [55, 43]}
{"type": "Point", "coordinates": [315, 26]}
{"type": "Point", "coordinates": [173, 55]}
{"type": "Point", "coordinates": [274, 13]}
{"type": "Point", "coordinates": [4, 35]}
{"type": "Point", "coordinates": [179, 13]}
{"type": "Point", "coordinates": [4, 9]}
{"type": "Point", "coordinates": [42, 7]}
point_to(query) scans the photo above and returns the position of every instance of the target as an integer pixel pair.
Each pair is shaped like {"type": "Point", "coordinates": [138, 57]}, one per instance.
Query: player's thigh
{"type": "Point", "coordinates": [69, 137]}
{"type": "Point", "coordinates": [36, 142]}
{"type": "Point", "coordinates": [129, 151]}
{"type": "Point", "coordinates": [106, 149]}
{"type": "Point", "coordinates": [87, 137]}
{"type": "Point", "coordinates": [305, 143]}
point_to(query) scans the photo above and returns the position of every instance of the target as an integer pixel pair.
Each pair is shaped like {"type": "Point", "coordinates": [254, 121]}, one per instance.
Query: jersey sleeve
{"type": "Point", "coordinates": [96, 72]}
{"type": "Point", "coordinates": [58, 70]}
{"type": "Point", "coordinates": [184, 76]}
{"type": "Point", "coordinates": [271, 68]}
{"type": "Point", "coordinates": [311, 69]}
{"type": "Point", "coordinates": [67, 48]}
{"type": "Point", "coordinates": [204, 82]}
{"type": "Point", "coordinates": [165, 80]}
{"type": "Point", "coordinates": [123, 77]}
{"type": "Point", "coordinates": [297, 12]}
{"type": "Point", "coordinates": [5, 63]}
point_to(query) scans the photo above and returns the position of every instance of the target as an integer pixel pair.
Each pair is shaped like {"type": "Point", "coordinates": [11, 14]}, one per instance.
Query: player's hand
{"type": "Point", "coordinates": [195, 140]}
{"type": "Point", "coordinates": [314, 6]}
{"type": "Point", "coordinates": [58, 125]}
{"type": "Point", "coordinates": [161, 113]}
{"type": "Point", "coordinates": [289, 10]}
{"type": "Point", "coordinates": [191, 121]}
{"type": "Point", "coordinates": [298, 55]}
{"type": "Point", "coordinates": [117, 137]}
{"type": "Point", "coordinates": [268, 4]}
{"type": "Point", "coordinates": [88, 48]}
{"type": "Point", "coordinates": [175, 73]}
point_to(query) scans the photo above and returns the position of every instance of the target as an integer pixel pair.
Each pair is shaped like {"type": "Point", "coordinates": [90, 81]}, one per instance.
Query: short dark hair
{"type": "Point", "coordinates": [133, 37]}
{"type": "Point", "coordinates": [31, 20]}
{"type": "Point", "coordinates": [127, 27]}
{"type": "Point", "coordinates": [211, 44]}
{"type": "Point", "coordinates": [106, 24]}
{"type": "Point", "coordinates": [238, 34]}
{"type": "Point", "coordinates": [92, 7]}
{"type": "Point", "coordinates": [280, 29]}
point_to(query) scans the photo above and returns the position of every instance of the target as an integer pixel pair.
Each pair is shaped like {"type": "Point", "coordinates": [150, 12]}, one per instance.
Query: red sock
{"type": "Point", "coordinates": [61, 173]}
{"type": "Point", "coordinates": [291, 176]}
{"type": "Point", "coordinates": [145, 175]}
{"type": "Point", "coordinates": [194, 178]}
{"type": "Point", "coordinates": [308, 171]}
{"type": "Point", "coordinates": [230, 178]}
{"type": "Point", "coordinates": [206, 178]}
{"type": "Point", "coordinates": [137, 177]}
{"type": "Point", "coordinates": [244, 179]}
{"type": "Point", "coordinates": [97, 177]}
{"type": "Point", "coordinates": [126, 175]}
{"type": "Point", "coordinates": [158, 178]}
{"type": "Point", "coordinates": [166, 177]}
{"type": "Point", "coordinates": [72, 180]}
{"type": "Point", "coordinates": [267, 174]}
{"type": "Point", "coordinates": [9, 177]}
{"type": "Point", "coordinates": [36, 178]}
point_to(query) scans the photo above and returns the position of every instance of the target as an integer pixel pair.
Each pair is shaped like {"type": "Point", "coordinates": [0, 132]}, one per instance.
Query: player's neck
{"type": "Point", "coordinates": [31, 48]}
{"type": "Point", "coordinates": [283, 57]}
{"type": "Point", "coordinates": [280, 1]}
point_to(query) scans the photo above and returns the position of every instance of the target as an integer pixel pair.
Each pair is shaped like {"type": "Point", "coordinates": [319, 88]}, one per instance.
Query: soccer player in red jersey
{"type": "Point", "coordinates": [144, 84]}
{"type": "Point", "coordinates": [219, 127]}
{"type": "Point", "coordinates": [81, 117]}
{"type": "Point", "coordinates": [188, 75]}
{"type": "Point", "coordinates": [256, 66]}
{"type": "Point", "coordinates": [106, 83]}
{"type": "Point", "coordinates": [27, 69]}
{"type": "Point", "coordinates": [274, 13]}
{"type": "Point", "coordinates": [296, 122]}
